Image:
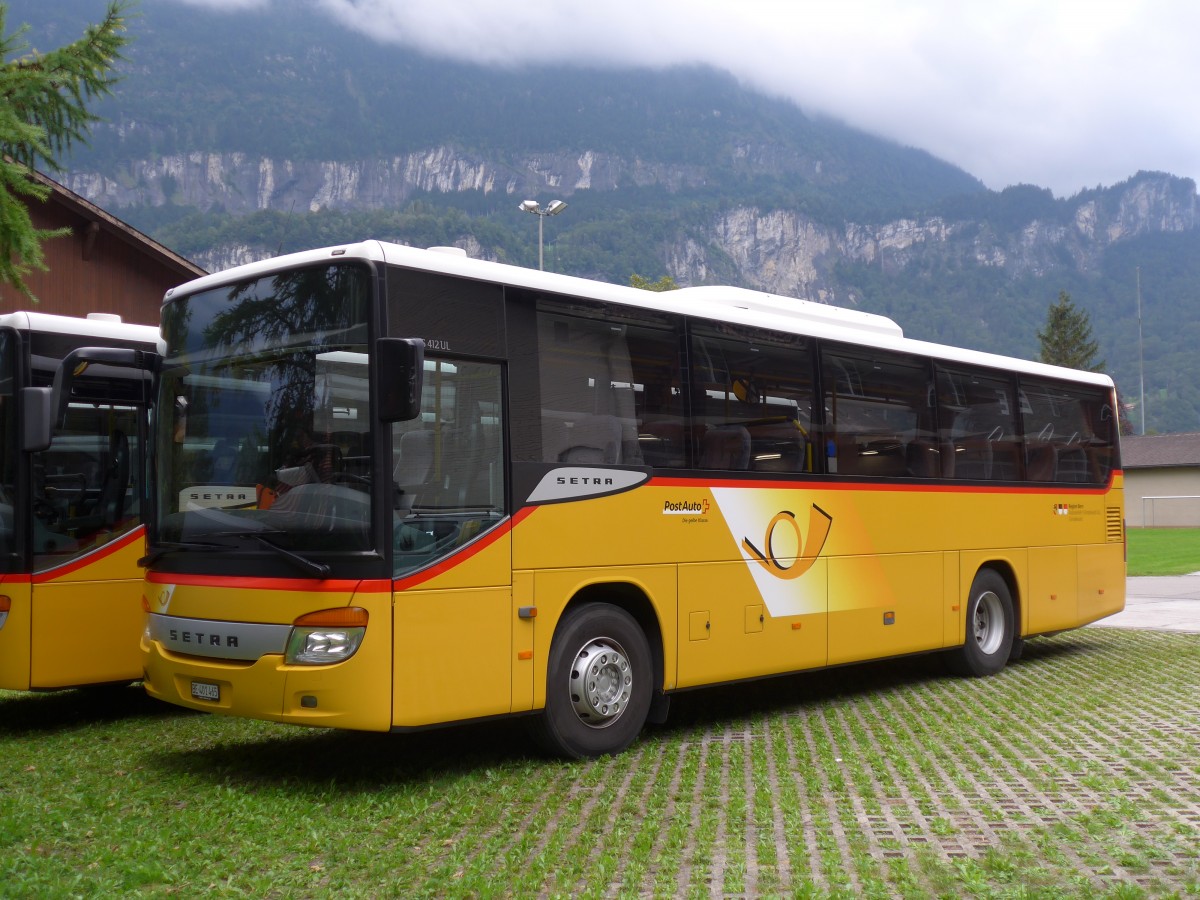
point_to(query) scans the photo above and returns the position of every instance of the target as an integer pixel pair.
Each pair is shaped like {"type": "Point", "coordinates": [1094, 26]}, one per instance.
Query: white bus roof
{"type": "Point", "coordinates": [94, 326]}
{"type": "Point", "coordinates": [723, 304]}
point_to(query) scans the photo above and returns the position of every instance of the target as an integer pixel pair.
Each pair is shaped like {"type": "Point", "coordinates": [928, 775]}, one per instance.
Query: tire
{"type": "Point", "coordinates": [1018, 649]}
{"type": "Point", "coordinates": [601, 649]}
{"type": "Point", "coordinates": [990, 630]}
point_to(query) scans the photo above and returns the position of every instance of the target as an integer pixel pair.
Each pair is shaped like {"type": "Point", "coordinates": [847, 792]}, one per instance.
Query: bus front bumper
{"type": "Point", "coordinates": [353, 694]}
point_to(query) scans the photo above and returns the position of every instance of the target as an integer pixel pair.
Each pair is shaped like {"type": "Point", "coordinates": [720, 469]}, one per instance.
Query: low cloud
{"type": "Point", "coordinates": [1065, 95]}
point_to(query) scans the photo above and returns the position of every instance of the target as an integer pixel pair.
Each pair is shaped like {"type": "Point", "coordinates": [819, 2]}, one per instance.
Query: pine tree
{"type": "Point", "coordinates": [1067, 338]}
{"type": "Point", "coordinates": [44, 111]}
{"type": "Point", "coordinates": [666, 283]}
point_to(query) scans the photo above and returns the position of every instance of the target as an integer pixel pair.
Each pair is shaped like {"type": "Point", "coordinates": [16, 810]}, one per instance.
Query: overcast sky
{"type": "Point", "coordinates": [1065, 95]}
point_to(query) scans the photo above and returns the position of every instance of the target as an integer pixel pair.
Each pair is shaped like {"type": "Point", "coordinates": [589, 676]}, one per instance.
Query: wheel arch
{"type": "Point", "coordinates": [634, 600]}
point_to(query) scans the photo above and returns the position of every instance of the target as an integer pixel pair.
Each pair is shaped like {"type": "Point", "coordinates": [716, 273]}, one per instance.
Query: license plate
{"type": "Point", "coordinates": [203, 691]}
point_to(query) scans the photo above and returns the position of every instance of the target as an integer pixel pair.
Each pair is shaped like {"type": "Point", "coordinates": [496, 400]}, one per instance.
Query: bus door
{"type": "Point", "coordinates": [86, 492]}
{"type": "Point", "coordinates": [454, 619]}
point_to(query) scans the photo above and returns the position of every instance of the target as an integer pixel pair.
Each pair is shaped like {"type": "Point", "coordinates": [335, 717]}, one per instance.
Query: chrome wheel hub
{"type": "Point", "coordinates": [988, 624]}
{"type": "Point", "coordinates": [601, 682]}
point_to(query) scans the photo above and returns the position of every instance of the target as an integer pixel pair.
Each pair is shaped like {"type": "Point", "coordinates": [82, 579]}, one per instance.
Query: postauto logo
{"type": "Point", "coordinates": [780, 547]}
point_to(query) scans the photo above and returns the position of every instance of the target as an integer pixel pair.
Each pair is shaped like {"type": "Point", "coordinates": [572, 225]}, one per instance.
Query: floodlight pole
{"type": "Point", "coordinates": [1141, 362]}
{"type": "Point", "coordinates": [553, 208]}
{"type": "Point", "coordinates": [541, 261]}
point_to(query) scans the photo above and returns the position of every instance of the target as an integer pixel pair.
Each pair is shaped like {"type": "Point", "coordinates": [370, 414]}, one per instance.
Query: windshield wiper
{"type": "Point", "coordinates": [303, 563]}
{"type": "Point", "coordinates": [308, 566]}
{"type": "Point", "coordinates": [165, 547]}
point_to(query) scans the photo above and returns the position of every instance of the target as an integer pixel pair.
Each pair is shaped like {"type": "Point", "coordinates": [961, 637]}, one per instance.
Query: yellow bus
{"type": "Point", "coordinates": [70, 511]}
{"type": "Point", "coordinates": [398, 488]}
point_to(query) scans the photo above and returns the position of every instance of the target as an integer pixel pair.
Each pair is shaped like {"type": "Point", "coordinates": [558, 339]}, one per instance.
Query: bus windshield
{"type": "Point", "coordinates": [264, 400]}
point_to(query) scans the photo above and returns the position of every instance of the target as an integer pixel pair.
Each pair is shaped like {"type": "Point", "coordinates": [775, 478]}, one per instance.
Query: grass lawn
{"type": "Point", "coordinates": [1163, 551]}
{"type": "Point", "coordinates": [1073, 773]}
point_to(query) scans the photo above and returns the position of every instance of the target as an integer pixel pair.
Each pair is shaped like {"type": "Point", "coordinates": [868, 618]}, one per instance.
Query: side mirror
{"type": "Point", "coordinates": [37, 418]}
{"type": "Point", "coordinates": [401, 376]}
{"type": "Point", "coordinates": [76, 362]}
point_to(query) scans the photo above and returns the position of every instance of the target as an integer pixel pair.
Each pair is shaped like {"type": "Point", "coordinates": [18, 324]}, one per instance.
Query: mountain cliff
{"type": "Point", "coordinates": [1021, 231]}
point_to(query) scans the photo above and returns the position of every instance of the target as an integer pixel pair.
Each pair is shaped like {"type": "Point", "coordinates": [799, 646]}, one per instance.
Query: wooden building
{"type": "Point", "coordinates": [103, 265]}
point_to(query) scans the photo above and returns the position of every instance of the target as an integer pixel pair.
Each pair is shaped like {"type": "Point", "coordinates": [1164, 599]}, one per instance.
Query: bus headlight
{"type": "Point", "coordinates": [328, 636]}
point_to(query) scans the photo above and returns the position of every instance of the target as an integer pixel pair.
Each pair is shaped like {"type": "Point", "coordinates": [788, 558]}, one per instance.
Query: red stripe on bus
{"type": "Point", "coordinates": [922, 488]}
{"type": "Point", "coordinates": [336, 586]}
{"type": "Point", "coordinates": [377, 585]}
{"type": "Point", "coordinates": [92, 558]}
{"type": "Point", "coordinates": [484, 541]}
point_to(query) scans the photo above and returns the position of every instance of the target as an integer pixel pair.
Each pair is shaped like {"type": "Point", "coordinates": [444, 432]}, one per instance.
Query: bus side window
{"type": "Point", "coordinates": [1068, 432]}
{"type": "Point", "coordinates": [878, 408]}
{"type": "Point", "coordinates": [662, 434]}
{"type": "Point", "coordinates": [978, 427]}
{"type": "Point", "coordinates": [601, 385]}
{"type": "Point", "coordinates": [752, 400]}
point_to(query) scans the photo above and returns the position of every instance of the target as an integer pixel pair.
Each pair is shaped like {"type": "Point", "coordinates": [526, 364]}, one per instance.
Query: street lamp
{"type": "Point", "coordinates": [1141, 362]}
{"type": "Point", "coordinates": [553, 208]}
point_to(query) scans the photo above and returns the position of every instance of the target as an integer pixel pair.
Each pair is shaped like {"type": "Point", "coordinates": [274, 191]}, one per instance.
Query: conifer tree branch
{"type": "Point", "coordinates": [44, 110]}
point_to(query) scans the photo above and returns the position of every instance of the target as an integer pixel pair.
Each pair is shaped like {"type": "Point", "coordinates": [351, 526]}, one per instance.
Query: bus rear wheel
{"type": "Point", "coordinates": [598, 683]}
{"type": "Point", "coordinates": [990, 628]}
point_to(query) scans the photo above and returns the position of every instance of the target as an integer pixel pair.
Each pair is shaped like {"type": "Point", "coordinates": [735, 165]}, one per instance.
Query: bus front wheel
{"type": "Point", "coordinates": [990, 628]}
{"type": "Point", "coordinates": [598, 683]}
